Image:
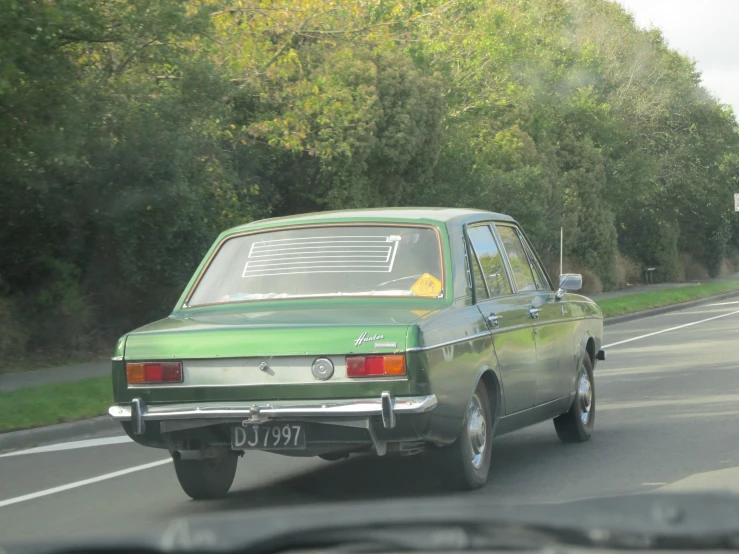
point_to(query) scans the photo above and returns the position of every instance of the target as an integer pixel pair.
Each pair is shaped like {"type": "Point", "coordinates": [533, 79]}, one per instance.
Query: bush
{"type": "Point", "coordinates": [727, 268]}
{"type": "Point", "coordinates": [718, 247]}
{"type": "Point", "coordinates": [60, 315]}
{"type": "Point", "coordinates": [688, 269]}
{"type": "Point", "coordinates": [731, 263]}
{"type": "Point", "coordinates": [652, 240]}
{"type": "Point", "coordinates": [627, 272]}
{"type": "Point", "coordinates": [591, 283]}
{"type": "Point", "coordinates": [124, 158]}
{"type": "Point", "coordinates": [13, 334]}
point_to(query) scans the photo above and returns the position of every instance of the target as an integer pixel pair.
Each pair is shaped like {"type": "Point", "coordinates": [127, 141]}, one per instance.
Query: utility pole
{"type": "Point", "coordinates": [561, 244]}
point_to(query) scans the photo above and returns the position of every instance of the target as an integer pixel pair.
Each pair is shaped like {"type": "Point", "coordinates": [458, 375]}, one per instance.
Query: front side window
{"type": "Point", "coordinates": [520, 266]}
{"type": "Point", "coordinates": [537, 277]}
{"type": "Point", "coordinates": [491, 263]}
{"type": "Point", "coordinates": [339, 260]}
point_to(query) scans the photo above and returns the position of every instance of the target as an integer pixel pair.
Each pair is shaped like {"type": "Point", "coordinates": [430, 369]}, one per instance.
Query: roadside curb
{"type": "Point", "coordinates": [73, 430]}
{"type": "Point", "coordinates": [613, 320]}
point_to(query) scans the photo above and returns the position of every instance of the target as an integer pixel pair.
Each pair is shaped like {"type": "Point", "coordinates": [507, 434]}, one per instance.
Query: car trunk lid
{"type": "Point", "coordinates": [212, 334]}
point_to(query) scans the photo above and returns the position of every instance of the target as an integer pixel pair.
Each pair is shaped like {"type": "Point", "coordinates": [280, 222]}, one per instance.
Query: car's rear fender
{"type": "Point", "coordinates": [451, 372]}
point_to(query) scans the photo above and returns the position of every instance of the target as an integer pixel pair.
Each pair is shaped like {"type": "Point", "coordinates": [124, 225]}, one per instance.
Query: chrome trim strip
{"type": "Point", "coordinates": [258, 371]}
{"type": "Point", "coordinates": [276, 409]}
{"type": "Point", "coordinates": [116, 359]}
{"type": "Point", "coordinates": [159, 386]}
{"type": "Point", "coordinates": [448, 343]}
{"type": "Point", "coordinates": [583, 317]}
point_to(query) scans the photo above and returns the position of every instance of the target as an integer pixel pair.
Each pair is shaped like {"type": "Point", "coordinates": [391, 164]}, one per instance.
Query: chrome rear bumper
{"type": "Point", "coordinates": [386, 406]}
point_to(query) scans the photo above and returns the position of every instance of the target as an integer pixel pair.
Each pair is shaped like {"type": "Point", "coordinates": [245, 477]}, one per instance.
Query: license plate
{"type": "Point", "coordinates": [268, 436]}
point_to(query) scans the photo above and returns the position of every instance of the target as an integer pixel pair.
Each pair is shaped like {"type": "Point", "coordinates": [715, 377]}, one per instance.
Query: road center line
{"type": "Point", "coordinates": [669, 329]}
{"type": "Point", "coordinates": [82, 483]}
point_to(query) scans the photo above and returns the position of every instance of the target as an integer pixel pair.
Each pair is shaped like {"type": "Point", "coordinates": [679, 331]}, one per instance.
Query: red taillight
{"type": "Point", "coordinates": [374, 366]}
{"type": "Point", "coordinates": [172, 372]}
{"type": "Point", "coordinates": [154, 372]}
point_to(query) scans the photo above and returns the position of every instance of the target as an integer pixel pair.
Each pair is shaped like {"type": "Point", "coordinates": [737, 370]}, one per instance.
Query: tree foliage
{"type": "Point", "coordinates": [131, 133]}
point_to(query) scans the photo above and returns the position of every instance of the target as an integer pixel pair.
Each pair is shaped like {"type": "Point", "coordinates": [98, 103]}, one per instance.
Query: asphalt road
{"type": "Point", "coordinates": [667, 418]}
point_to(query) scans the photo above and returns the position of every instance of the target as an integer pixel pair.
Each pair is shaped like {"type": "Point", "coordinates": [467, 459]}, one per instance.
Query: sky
{"type": "Point", "coordinates": [704, 30]}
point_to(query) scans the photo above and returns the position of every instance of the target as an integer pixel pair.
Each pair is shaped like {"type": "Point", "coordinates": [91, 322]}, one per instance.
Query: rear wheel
{"type": "Point", "coordinates": [577, 424]}
{"type": "Point", "coordinates": [466, 462]}
{"type": "Point", "coordinates": [208, 478]}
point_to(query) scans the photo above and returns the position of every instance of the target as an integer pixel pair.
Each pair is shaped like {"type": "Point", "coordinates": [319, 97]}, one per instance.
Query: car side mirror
{"type": "Point", "coordinates": [569, 282]}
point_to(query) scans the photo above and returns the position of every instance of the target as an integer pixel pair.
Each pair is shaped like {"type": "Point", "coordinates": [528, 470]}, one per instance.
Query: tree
{"type": "Point", "coordinates": [131, 133]}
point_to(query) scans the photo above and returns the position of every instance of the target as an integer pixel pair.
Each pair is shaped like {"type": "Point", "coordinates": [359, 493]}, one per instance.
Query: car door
{"type": "Point", "coordinates": [555, 344]}
{"type": "Point", "coordinates": [507, 314]}
{"type": "Point", "coordinates": [550, 317]}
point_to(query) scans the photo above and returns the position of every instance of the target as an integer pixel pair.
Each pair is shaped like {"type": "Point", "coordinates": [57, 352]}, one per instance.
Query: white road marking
{"type": "Point", "coordinates": [654, 484]}
{"type": "Point", "coordinates": [723, 303]}
{"type": "Point", "coordinates": [70, 446]}
{"type": "Point", "coordinates": [82, 483]}
{"type": "Point", "coordinates": [702, 401]}
{"type": "Point", "coordinates": [621, 379]}
{"type": "Point", "coordinates": [725, 414]}
{"type": "Point", "coordinates": [669, 329]}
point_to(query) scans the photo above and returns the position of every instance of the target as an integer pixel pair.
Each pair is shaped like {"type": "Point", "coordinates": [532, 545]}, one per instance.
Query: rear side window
{"type": "Point", "coordinates": [520, 266]}
{"type": "Point", "coordinates": [488, 256]}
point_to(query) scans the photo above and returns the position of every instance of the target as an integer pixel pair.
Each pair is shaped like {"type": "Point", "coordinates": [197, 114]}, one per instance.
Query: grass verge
{"type": "Point", "coordinates": [641, 301]}
{"type": "Point", "coordinates": [56, 403]}
{"type": "Point", "coordinates": [42, 360]}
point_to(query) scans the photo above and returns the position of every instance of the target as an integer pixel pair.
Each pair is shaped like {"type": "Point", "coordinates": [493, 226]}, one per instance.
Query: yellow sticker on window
{"type": "Point", "coordinates": [427, 285]}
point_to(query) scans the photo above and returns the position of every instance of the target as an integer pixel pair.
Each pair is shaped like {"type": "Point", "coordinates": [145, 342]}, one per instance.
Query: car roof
{"type": "Point", "coordinates": [395, 215]}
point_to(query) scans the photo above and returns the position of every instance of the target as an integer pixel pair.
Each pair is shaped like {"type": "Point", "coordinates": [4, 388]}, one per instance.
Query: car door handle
{"type": "Point", "coordinates": [534, 313]}
{"type": "Point", "coordinates": [493, 320]}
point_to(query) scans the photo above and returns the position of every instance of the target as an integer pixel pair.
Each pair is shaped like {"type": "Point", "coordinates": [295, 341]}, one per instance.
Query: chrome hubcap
{"type": "Point", "coordinates": [477, 431]}
{"type": "Point", "coordinates": [585, 396]}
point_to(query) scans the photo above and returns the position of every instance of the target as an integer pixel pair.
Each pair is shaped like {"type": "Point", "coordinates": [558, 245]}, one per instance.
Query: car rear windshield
{"type": "Point", "coordinates": [346, 260]}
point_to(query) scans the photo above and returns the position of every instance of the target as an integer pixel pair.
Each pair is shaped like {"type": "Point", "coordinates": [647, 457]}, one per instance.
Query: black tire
{"type": "Point", "coordinates": [206, 479]}
{"type": "Point", "coordinates": [459, 463]}
{"type": "Point", "coordinates": [577, 424]}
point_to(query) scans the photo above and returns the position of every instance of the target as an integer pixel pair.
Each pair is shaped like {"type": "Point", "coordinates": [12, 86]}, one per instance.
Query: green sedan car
{"type": "Point", "coordinates": [392, 331]}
